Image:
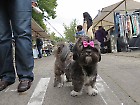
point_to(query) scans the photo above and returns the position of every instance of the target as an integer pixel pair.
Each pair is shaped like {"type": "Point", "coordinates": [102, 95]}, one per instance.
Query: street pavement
{"type": "Point", "coordinates": [121, 72]}
{"type": "Point", "coordinates": [135, 54]}
{"type": "Point", "coordinates": [117, 83]}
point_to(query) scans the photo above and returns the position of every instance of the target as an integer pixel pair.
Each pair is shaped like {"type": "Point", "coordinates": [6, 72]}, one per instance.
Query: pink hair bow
{"type": "Point", "coordinates": [91, 43]}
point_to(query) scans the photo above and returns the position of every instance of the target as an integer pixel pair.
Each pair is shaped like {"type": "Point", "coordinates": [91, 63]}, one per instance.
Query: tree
{"type": "Point", "coordinates": [70, 31]}
{"type": "Point", "coordinates": [48, 6]}
{"type": "Point", "coordinates": [55, 39]}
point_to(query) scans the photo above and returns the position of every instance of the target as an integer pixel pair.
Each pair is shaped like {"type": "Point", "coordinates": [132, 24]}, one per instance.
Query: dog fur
{"type": "Point", "coordinates": [63, 59]}
{"type": "Point", "coordinates": [80, 67]}
{"type": "Point", "coordinates": [84, 66]}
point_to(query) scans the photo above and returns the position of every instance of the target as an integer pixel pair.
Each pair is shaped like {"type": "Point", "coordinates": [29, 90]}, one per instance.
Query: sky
{"type": "Point", "coordinates": [68, 10]}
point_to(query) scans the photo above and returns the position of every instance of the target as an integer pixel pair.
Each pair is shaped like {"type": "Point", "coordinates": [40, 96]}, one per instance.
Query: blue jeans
{"type": "Point", "coordinates": [15, 19]}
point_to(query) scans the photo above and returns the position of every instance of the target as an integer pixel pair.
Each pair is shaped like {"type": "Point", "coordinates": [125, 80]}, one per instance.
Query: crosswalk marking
{"type": "Point", "coordinates": [106, 93]}
{"type": "Point", "coordinates": [39, 92]}
{"type": "Point", "coordinates": [37, 98]}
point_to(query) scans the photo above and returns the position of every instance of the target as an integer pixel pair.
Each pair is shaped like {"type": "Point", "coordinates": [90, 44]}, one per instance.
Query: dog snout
{"type": "Point", "coordinates": [88, 59]}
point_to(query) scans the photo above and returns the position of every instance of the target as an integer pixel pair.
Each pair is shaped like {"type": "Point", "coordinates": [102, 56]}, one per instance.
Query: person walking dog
{"type": "Point", "coordinates": [15, 20]}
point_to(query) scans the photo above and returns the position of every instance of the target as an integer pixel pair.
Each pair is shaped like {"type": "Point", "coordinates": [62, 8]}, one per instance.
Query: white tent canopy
{"type": "Point", "coordinates": [105, 17]}
{"type": "Point", "coordinates": [37, 30]}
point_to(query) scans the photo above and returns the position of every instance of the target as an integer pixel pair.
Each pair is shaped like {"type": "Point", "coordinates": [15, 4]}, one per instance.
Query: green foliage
{"type": "Point", "coordinates": [45, 5]}
{"type": "Point", "coordinates": [56, 39]}
{"type": "Point", "coordinates": [38, 18]}
{"type": "Point", "coordinates": [70, 31]}
{"type": "Point", "coordinates": [49, 6]}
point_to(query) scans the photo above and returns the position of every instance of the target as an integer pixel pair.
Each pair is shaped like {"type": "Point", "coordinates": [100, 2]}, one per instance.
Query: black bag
{"type": "Point", "coordinates": [41, 42]}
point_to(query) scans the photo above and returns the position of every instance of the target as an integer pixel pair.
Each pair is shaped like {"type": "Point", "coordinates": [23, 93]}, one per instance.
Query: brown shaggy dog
{"type": "Point", "coordinates": [62, 64]}
{"type": "Point", "coordinates": [86, 55]}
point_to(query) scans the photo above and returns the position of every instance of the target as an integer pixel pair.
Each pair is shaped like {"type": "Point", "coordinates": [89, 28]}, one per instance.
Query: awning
{"type": "Point", "coordinates": [105, 17]}
{"type": "Point", "coordinates": [37, 30]}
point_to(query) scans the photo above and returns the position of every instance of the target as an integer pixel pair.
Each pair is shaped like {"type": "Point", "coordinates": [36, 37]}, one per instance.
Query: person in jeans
{"type": "Point", "coordinates": [15, 20]}
{"type": "Point", "coordinates": [39, 44]}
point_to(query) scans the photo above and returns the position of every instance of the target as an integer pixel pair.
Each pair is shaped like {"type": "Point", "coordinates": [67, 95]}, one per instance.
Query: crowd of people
{"type": "Point", "coordinates": [87, 30]}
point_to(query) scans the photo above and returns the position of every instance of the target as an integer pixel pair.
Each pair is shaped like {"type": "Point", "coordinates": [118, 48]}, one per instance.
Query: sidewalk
{"type": "Point", "coordinates": [135, 54]}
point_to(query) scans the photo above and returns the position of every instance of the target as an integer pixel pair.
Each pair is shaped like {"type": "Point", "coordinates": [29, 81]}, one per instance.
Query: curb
{"type": "Point", "coordinates": [128, 54]}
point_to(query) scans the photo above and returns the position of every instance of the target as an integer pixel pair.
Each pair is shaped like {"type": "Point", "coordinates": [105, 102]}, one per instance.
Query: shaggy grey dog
{"type": "Point", "coordinates": [62, 65]}
{"type": "Point", "coordinates": [86, 55]}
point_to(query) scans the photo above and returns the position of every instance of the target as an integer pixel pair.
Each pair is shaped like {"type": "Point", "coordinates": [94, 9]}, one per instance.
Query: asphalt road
{"type": "Point", "coordinates": [117, 83]}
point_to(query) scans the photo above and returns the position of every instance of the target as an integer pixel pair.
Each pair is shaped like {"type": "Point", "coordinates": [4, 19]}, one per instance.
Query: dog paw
{"type": "Point", "coordinates": [68, 84]}
{"type": "Point", "coordinates": [60, 85]}
{"type": "Point", "coordinates": [74, 93]}
{"type": "Point", "coordinates": [92, 91]}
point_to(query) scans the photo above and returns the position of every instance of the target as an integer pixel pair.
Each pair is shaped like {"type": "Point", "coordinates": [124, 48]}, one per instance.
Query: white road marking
{"type": "Point", "coordinates": [14, 90]}
{"type": "Point", "coordinates": [106, 93]}
{"type": "Point", "coordinates": [39, 92]}
{"type": "Point", "coordinates": [7, 89]}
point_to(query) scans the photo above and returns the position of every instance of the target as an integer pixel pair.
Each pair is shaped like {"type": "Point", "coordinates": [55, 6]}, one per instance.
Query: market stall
{"type": "Point", "coordinates": [123, 12]}
{"type": "Point", "coordinates": [37, 30]}
{"type": "Point", "coordinates": [41, 33]}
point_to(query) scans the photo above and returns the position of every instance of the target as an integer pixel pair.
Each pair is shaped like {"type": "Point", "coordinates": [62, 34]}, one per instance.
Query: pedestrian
{"type": "Point", "coordinates": [39, 44]}
{"type": "Point", "coordinates": [80, 31]}
{"type": "Point", "coordinates": [101, 36]}
{"type": "Point", "coordinates": [15, 20]}
{"type": "Point", "coordinates": [87, 24]}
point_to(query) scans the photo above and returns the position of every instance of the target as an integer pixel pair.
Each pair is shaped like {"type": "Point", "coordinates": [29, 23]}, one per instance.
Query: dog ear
{"type": "Point", "coordinates": [65, 51]}
{"type": "Point", "coordinates": [97, 45]}
{"type": "Point", "coordinates": [99, 57]}
{"type": "Point", "coordinates": [75, 54]}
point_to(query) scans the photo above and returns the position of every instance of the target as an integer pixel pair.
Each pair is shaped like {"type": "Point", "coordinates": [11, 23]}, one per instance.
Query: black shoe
{"type": "Point", "coordinates": [4, 84]}
{"type": "Point", "coordinates": [24, 85]}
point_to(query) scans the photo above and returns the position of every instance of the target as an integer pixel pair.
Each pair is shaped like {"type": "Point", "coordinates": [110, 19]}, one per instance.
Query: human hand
{"type": "Point", "coordinates": [36, 8]}
{"type": "Point", "coordinates": [34, 4]}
